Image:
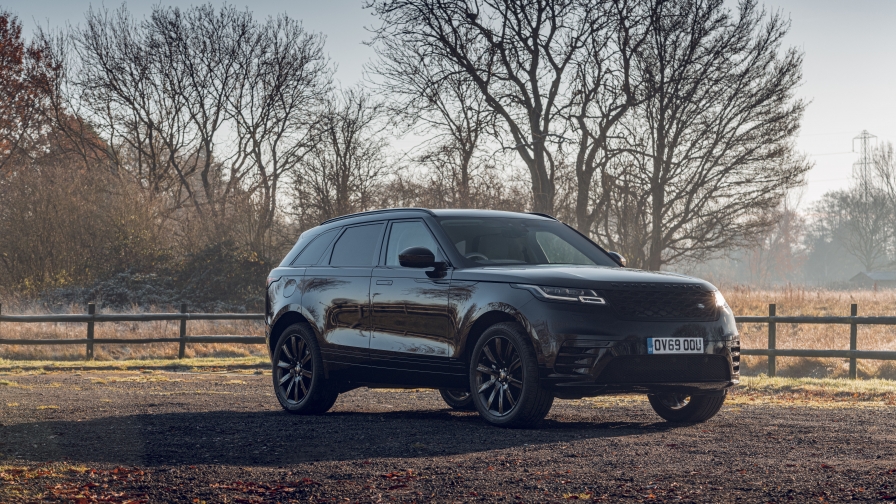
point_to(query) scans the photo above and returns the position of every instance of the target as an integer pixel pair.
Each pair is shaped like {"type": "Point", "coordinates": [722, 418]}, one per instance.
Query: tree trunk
{"type": "Point", "coordinates": [584, 218]}
{"type": "Point", "coordinates": [542, 186]}
{"type": "Point", "coordinates": [657, 204]}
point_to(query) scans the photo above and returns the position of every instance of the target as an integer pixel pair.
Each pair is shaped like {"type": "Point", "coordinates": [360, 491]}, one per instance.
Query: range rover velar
{"type": "Point", "coordinates": [500, 311]}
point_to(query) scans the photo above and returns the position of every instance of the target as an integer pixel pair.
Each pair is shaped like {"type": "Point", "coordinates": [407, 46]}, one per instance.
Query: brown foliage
{"type": "Point", "coordinates": [62, 226]}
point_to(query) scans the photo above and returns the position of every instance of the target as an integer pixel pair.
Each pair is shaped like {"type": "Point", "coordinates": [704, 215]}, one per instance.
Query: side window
{"type": "Point", "coordinates": [311, 254]}
{"type": "Point", "coordinates": [404, 235]}
{"type": "Point", "coordinates": [357, 246]}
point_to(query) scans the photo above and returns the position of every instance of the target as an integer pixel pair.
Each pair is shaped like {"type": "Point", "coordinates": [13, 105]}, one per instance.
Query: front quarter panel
{"type": "Point", "coordinates": [474, 305]}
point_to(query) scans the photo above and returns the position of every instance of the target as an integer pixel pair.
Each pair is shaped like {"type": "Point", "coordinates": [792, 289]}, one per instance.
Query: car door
{"type": "Point", "coordinates": [336, 295]}
{"type": "Point", "coordinates": [412, 335]}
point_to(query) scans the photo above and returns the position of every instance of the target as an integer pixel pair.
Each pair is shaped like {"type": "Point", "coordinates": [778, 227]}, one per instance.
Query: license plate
{"type": "Point", "coordinates": [674, 345]}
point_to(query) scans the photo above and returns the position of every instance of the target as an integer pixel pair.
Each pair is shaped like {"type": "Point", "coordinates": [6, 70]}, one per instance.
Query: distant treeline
{"type": "Point", "coordinates": [847, 231]}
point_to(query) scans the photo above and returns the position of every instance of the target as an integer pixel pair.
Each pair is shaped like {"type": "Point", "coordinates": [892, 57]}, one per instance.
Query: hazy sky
{"type": "Point", "coordinates": [849, 71]}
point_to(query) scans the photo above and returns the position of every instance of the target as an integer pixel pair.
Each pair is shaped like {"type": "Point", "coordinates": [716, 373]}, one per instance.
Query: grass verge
{"type": "Point", "coordinates": [814, 392]}
{"type": "Point", "coordinates": [194, 364]}
{"type": "Point", "coordinates": [833, 392]}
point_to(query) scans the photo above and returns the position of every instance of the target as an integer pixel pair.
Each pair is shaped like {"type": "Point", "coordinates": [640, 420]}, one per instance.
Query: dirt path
{"type": "Point", "coordinates": [176, 437]}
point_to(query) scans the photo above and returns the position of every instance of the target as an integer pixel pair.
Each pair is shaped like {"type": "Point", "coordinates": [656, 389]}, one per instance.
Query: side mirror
{"type": "Point", "coordinates": [618, 258]}
{"type": "Point", "coordinates": [417, 257]}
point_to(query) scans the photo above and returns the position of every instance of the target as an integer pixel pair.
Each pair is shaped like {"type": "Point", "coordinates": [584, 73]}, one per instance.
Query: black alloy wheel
{"type": "Point", "coordinates": [299, 381]}
{"type": "Point", "coordinates": [685, 408]}
{"type": "Point", "coordinates": [499, 376]}
{"type": "Point", "coordinates": [461, 400]}
{"type": "Point", "coordinates": [504, 378]}
{"type": "Point", "coordinates": [294, 368]}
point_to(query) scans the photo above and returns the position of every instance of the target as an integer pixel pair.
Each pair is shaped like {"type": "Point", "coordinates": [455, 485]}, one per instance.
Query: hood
{"type": "Point", "coordinates": [583, 277]}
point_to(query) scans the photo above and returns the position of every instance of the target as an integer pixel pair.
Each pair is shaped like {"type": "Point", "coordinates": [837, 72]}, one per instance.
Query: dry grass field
{"type": "Point", "coordinates": [815, 302]}
{"type": "Point", "coordinates": [743, 300]}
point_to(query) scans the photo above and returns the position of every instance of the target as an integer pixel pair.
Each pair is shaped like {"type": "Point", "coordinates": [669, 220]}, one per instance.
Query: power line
{"type": "Point", "coordinates": [812, 181]}
{"type": "Point", "coordinates": [832, 153]}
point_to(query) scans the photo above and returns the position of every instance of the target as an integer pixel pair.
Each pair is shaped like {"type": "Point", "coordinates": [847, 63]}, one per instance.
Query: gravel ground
{"type": "Point", "coordinates": [221, 437]}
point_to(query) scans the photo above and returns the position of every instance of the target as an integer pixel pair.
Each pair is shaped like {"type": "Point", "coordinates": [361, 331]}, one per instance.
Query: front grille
{"type": "Point", "coordinates": [666, 369]}
{"type": "Point", "coordinates": [650, 305]}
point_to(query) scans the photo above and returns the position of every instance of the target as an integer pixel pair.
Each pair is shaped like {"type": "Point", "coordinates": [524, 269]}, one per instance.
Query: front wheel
{"type": "Point", "coordinates": [504, 378]}
{"type": "Point", "coordinates": [684, 408]}
{"type": "Point", "coordinates": [298, 373]}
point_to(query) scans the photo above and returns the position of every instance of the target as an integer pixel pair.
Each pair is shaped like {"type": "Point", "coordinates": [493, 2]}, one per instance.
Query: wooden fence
{"type": "Point", "coordinates": [91, 318]}
{"type": "Point", "coordinates": [853, 320]}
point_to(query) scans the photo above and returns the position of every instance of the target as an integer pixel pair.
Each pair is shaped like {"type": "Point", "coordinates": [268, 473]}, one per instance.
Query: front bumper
{"type": "Point", "coordinates": [590, 366]}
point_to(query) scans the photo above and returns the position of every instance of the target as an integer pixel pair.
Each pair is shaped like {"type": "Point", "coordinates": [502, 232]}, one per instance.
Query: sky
{"type": "Point", "coordinates": [849, 69]}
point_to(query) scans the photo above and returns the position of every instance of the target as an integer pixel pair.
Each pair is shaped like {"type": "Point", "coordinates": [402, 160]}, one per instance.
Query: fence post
{"type": "Point", "coordinates": [853, 339]}
{"type": "Point", "coordinates": [91, 309]}
{"type": "Point", "coordinates": [183, 332]}
{"type": "Point", "coordinates": [772, 334]}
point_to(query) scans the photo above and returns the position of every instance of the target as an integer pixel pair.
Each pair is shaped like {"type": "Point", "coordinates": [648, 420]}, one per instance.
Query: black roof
{"type": "Point", "coordinates": [375, 212]}
{"type": "Point", "coordinates": [442, 213]}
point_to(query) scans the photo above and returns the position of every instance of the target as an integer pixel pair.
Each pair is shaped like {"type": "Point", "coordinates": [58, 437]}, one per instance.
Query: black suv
{"type": "Point", "coordinates": [502, 312]}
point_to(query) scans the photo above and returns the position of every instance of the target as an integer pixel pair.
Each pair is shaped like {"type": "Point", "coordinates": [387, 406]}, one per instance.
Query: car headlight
{"type": "Point", "coordinates": [720, 299]}
{"type": "Point", "coordinates": [563, 294]}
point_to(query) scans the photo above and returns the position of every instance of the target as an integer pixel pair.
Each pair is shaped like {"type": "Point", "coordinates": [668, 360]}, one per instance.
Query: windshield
{"type": "Point", "coordinates": [498, 240]}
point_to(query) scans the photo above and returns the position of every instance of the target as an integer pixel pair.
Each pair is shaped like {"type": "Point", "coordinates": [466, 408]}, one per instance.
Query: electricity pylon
{"type": "Point", "coordinates": [862, 167]}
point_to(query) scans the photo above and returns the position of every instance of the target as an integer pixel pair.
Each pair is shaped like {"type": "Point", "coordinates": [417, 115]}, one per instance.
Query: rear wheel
{"type": "Point", "coordinates": [684, 408]}
{"type": "Point", "coordinates": [504, 378]}
{"type": "Point", "coordinates": [298, 373]}
{"type": "Point", "coordinates": [458, 399]}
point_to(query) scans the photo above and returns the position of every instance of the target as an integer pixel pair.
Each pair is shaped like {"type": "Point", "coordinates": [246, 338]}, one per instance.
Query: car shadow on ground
{"type": "Point", "coordinates": [274, 438]}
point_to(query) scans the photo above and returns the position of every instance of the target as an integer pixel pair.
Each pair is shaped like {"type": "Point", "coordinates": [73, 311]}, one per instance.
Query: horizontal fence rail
{"type": "Point", "coordinates": [130, 317]}
{"type": "Point", "coordinates": [91, 317]}
{"type": "Point", "coordinates": [250, 340]}
{"type": "Point", "coordinates": [749, 319]}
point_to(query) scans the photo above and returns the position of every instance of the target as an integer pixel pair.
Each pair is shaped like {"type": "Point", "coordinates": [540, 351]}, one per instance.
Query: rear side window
{"type": "Point", "coordinates": [357, 246]}
{"type": "Point", "coordinates": [315, 249]}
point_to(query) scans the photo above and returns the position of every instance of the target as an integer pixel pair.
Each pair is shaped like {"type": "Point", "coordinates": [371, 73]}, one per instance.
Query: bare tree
{"type": "Point", "coordinates": [712, 147]}
{"type": "Point", "coordinates": [605, 91]}
{"type": "Point", "coordinates": [206, 104]}
{"type": "Point", "coordinates": [448, 111]}
{"type": "Point", "coordinates": [283, 80]}
{"type": "Point", "coordinates": [348, 163]}
{"type": "Point", "coordinates": [779, 253]}
{"type": "Point", "coordinates": [120, 81]}
{"type": "Point", "coordinates": [858, 220]}
{"type": "Point", "coordinates": [523, 58]}
{"type": "Point", "coordinates": [884, 173]}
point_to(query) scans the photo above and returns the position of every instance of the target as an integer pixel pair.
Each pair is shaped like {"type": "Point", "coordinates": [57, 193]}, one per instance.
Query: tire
{"type": "Point", "coordinates": [300, 390]}
{"type": "Point", "coordinates": [503, 369]}
{"type": "Point", "coordinates": [681, 408]}
{"type": "Point", "coordinates": [460, 400]}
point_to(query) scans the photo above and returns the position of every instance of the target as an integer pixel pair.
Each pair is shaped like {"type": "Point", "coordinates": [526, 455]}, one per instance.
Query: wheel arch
{"type": "Point", "coordinates": [497, 315]}
{"type": "Point", "coordinates": [287, 318]}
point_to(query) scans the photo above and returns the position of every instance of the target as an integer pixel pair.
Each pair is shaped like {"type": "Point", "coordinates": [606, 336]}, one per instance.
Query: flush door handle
{"type": "Point", "coordinates": [384, 282]}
